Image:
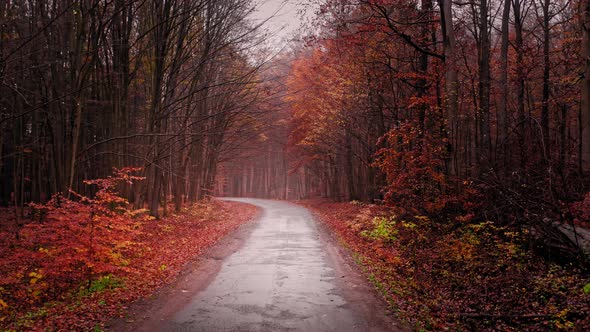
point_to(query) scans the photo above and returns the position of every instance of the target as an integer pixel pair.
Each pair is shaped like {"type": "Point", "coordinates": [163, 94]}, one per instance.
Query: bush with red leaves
{"type": "Point", "coordinates": [79, 262]}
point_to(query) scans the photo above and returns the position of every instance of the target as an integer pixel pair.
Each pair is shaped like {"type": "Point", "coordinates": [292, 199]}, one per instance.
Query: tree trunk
{"type": "Point", "coordinates": [75, 139]}
{"type": "Point", "coordinates": [519, 69]}
{"type": "Point", "coordinates": [451, 81]}
{"type": "Point", "coordinates": [502, 148]}
{"type": "Point", "coordinates": [484, 88]}
{"type": "Point", "coordinates": [585, 104]}
{"type": "Point", "coordinates": [546, 73]}
{"type": "Point", "coordinates": [350, 177]}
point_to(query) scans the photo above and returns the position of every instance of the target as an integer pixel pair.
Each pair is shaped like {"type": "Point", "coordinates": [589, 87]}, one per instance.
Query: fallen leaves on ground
{"type": "Point", "coordinates": [458, 276]}
{"type": "Point", "coordinates": [43, 279]}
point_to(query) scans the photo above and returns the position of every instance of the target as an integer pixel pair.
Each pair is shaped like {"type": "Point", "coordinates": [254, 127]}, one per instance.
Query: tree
{"type": "Point", "coordinates": [88, 85]}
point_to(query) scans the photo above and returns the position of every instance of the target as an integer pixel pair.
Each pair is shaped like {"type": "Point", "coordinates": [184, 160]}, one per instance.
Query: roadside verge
{"type": "Point", "coordinates": [153, 254]}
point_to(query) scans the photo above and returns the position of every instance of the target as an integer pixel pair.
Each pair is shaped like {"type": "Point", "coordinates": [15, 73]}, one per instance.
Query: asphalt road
{"type": "Point", "coordinates": [286, 274]}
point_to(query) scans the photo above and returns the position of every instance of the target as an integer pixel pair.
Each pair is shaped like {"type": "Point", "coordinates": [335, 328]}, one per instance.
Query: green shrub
{"type": "Point", "coordinates": [108, 282]}
{"type": "Point", "coordinates": [384, 230]}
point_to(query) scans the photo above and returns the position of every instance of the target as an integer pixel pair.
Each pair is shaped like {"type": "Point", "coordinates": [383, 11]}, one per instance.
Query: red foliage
{"type": "Point", "coordinates": [581, 210]}
{"type": "Point", "coordinates": [79, 262]}
{"type": "Point", "coordinates": [68, 243]}
{"type": "Point", "coordinates": [458, 276]}
{"type": "Point", "coordinates": [414, 170]}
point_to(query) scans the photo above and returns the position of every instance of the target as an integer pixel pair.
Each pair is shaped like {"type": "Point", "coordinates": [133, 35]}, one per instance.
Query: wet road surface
{"type": "Point", "coordinates": [286, 276]}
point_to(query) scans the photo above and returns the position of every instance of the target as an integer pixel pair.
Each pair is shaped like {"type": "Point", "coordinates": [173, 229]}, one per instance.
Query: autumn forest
{"type": "Point", "coordinates": [445, 144]}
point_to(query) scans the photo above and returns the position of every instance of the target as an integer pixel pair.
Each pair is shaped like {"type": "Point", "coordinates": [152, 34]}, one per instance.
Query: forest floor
{"type": "Point", "coordinates": [187, 273]}
{"type": "Point", "coordinates": [40, 288]}
{"type": "Point", "coordinates": [440, 275]}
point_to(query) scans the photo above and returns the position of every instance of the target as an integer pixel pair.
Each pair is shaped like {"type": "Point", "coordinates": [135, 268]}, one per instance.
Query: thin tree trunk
{"type": "Point", "coordinates": [519, 69]}
{"type": "Point", "coordinates": [75, 140]}
{"type": "Point", "coordinates": [502, 148]}
{"type": "Point", "coordinates": [546, 73]}
{"type": "Point", "coordinates": [585, 104]}
{"type": "Point", "coordinates": [484, 88]}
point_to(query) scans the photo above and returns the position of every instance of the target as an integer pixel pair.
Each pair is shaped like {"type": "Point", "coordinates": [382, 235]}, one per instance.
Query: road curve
{"type": "Point", "coordinates": [287, 276]}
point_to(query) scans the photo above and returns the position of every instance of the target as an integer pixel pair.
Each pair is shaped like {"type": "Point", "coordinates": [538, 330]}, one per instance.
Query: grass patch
{"type": "Point", "coordinates": [104, 283]}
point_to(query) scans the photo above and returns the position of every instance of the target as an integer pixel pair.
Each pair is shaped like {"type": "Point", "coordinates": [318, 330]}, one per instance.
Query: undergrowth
{"type": "Point", "coordinates": [77, 263]}
{"type": "Point", "coordinates": [458, 275]}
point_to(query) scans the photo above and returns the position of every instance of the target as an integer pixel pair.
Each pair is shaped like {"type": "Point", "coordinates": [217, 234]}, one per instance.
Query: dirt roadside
{"type": "Point", "coordinates": [146, 313]}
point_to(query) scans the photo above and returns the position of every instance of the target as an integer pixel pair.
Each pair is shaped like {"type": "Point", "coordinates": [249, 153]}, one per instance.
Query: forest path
{"type": "Point", "coordinates": [286, 275]}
